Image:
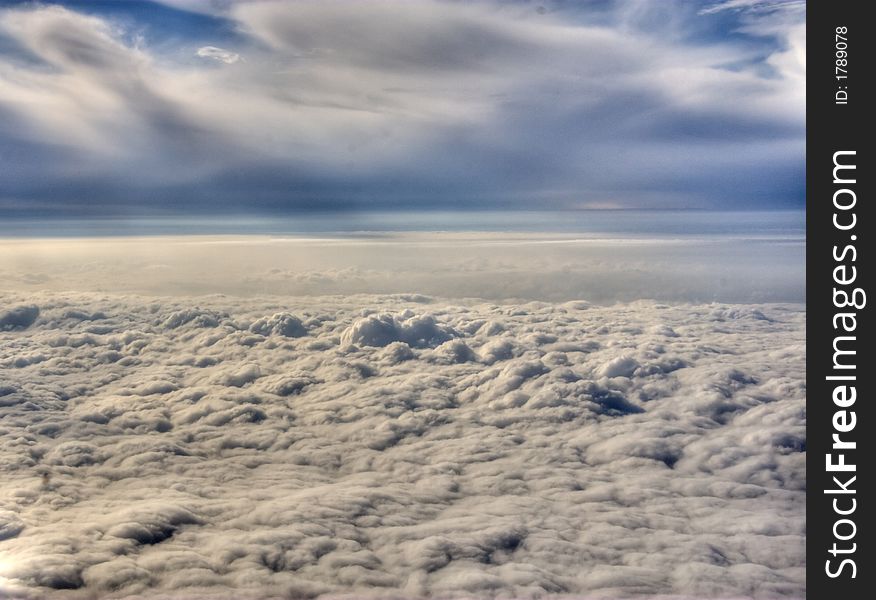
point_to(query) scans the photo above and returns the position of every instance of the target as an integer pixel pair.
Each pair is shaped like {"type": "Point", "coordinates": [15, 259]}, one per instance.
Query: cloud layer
{"type": "Point", "coordinates": [384, 445]}
{"type": "Point", "coordinates": [312, 104]}
{"type": "Point", "coordinates": [530, 266]}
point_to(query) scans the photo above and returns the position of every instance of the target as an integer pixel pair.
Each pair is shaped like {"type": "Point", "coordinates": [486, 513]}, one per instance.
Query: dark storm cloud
{"type": "Point", "coordinates": [307, 105]}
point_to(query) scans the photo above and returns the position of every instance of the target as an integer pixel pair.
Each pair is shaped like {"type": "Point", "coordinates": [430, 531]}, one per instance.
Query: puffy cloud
{"type": "Point", "coordinates": [384, 329]}
{"type": "Point", "coordinates": [20, 317]}
{"type": "Point", "coordinates": [622, 366]}
{"type": "Point", "coordinates": [73, 454]}
{"type": "Point", "coordinates": [10, 525]}
{"type": "Point", "coordinates": [404, 446]}
{"type": "Point", "coordinates": [282, 324]}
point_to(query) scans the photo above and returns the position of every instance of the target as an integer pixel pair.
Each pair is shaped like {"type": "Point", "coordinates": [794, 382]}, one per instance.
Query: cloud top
{"type": "Point", "coordinates": [402, 447]}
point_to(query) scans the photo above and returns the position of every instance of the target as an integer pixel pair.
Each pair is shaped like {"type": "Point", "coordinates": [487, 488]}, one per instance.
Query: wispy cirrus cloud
{"type": "Point", "coordinates": [219, 54]}
{"type": "Point", "coordinates": [755, 5]}
{"type": "Point", "coordinates": [399, 104]}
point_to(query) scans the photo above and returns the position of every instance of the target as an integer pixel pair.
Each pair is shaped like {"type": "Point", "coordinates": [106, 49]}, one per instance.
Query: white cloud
{"type": "Point", "coordinates": [384, 329]}
{"type": "Point", "coordinates": [225, 56]}
{"type": "Point", "coordinates": [547, 448]}
{"type": "Point", "coordinates": [209, 7]}
{"type": "Point", "coordinates": [755, 6]}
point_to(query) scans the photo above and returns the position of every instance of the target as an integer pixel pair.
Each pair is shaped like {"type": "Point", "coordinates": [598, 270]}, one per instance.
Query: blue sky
{"type": "Point", "coordinates": [112, 108]}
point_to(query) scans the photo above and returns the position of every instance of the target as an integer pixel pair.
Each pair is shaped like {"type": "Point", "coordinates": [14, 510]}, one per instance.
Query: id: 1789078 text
{"type": "Point", "coordinates": [841, 71]}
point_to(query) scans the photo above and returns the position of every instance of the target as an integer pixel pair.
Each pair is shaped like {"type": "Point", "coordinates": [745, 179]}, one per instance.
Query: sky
{"type": "Point", "coordinates": [142, 108]}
